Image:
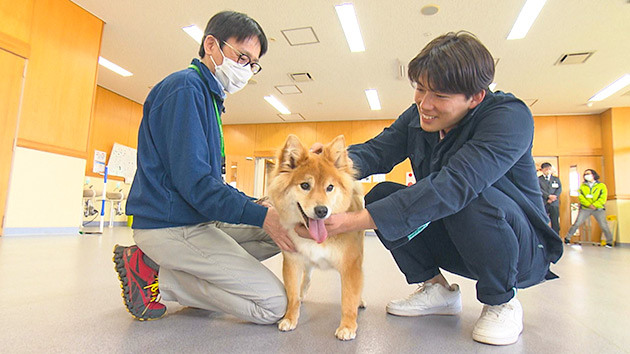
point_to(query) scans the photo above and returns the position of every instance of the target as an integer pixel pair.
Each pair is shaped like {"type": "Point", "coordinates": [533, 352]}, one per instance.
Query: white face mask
{"type": "Point", "coordinates": [231, 74]}
{"type": "Point", "coordinates": [588, 178]}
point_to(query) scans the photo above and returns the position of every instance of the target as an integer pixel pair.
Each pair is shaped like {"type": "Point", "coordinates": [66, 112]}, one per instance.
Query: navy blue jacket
{"type": "Point", "coordinates": [491, 146]}
{"type": "Point", "coordinates": [178, 181]}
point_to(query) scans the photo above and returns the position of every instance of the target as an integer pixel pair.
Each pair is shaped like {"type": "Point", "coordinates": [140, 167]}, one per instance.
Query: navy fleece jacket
{"type": "Point", "coordinates": [491, 146]}
{"type": "Point", "coordinates": [178, 180]}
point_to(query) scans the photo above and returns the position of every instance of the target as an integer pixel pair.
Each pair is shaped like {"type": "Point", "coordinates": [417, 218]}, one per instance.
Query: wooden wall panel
{"type": "Point", "coordinates": [579, 135]}
{"type": "Point", "coordinates": [608, 152]}
{"type": "Point", "coordinates": [621, 150]}
{"type": "Point", "coordinates": [15, 26]}
{"type": "Point", "coordinates": [240, 139]}
{"type": "Point", "coordinates": [327, 131]}
{"type": "Point", "coordinates": [11, 69]}
{"type": "Point", "coordinates": [365, 130]}
{"type": "Point", "coordinates": [134, 124]}
{"type": "Point", "coordinates": [115, 120]}
{"type": "Point", "coordinates": [270, 137]}
{"type": "Point", "coordinates": [61, 80]}
{"type": "Point", "coordinates": [545, 136]}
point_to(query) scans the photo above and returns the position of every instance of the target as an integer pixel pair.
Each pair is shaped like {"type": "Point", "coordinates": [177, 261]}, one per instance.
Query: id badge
{"type": "Point", "coordinates": [589, 196]}
{"type": "Point", "coordinates": [554, 185]}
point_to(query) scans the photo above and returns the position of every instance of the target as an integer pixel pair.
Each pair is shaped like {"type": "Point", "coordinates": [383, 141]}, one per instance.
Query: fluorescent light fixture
{"type": "Point", "coordinates": [350, 25]}
{"type": "Point", "coordinates": [277, 105]}
{"type": "Point", "coordinates": [612, 88]}
{"type": "Point", "coordinates": [113, 67]}
{"type": "Point", "coordinates": [526, 18]}
{"type": "Point", "coordinates": [372, 97]}
{"type": "Point", "coordinates": [195, 32]}
{"type": "Point", "coordinates": [492, 86]}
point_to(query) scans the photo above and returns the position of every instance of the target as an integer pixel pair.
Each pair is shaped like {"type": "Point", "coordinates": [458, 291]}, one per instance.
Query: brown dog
{"type": "Point", "coordinates": [307, 188]}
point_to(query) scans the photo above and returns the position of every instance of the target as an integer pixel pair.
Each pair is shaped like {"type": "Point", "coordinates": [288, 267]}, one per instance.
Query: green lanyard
{"type": "Point", "coordinates": [216, 110]}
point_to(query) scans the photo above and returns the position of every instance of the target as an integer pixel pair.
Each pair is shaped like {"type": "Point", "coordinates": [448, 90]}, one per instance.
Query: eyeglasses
{"type": "Point", "coordinates": [245, 60]}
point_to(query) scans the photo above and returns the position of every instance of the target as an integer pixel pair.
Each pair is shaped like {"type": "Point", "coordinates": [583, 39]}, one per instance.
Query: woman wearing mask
{"type": "Point", "coordinates": [592, 196]}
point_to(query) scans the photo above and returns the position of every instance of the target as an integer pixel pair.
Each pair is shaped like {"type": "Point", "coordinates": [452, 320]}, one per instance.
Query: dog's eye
{"type": "Point", "coordinates": [305, 186]}
{"type": "Point", "coordinates": [330, 188]}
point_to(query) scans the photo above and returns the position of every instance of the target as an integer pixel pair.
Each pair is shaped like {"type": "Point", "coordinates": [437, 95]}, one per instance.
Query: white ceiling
{"type": "Point", "coordinates": [145, 37]}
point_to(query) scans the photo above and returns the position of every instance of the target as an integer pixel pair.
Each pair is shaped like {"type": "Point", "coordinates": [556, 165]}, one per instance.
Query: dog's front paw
{"type": "Point", "coordinates": [286, 325]}
{"type": "Point", "coordinates": [345, 333]}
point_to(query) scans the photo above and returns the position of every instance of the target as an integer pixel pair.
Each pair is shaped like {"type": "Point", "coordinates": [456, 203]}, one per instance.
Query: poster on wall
{"type": "Point", "coordinates": [99, 161]}
{"type": "Point", "coordinates": [122, 162]}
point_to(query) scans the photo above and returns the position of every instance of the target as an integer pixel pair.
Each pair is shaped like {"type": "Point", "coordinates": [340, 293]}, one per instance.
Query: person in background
{"type": "Point", "coordinates": [551, 188]}
{"type": "Point", "coordinates": [592, 195]}
{"type": "Point", "coordinates": [201, 238]}
{"type": "Point", "coordinates": [476, 209]}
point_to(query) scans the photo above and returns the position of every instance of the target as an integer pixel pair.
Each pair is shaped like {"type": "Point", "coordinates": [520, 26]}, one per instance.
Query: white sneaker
{"type": "Point", "coordinates": [429, 299]}
{"type": "Point", "coordinates": [499, 324]}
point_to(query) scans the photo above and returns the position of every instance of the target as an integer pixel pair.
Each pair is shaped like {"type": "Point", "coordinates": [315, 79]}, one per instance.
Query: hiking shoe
{"type": "Point", "coordinates": [428, 299]}
{"type": "Point", "coordinates": [608, 245]}
{"type": "Point", "coordinates": [139, 284]}
{"type": "Point", "coordinates": [567, 241]}
{"type": "Point", "coordinates": [500, 324]}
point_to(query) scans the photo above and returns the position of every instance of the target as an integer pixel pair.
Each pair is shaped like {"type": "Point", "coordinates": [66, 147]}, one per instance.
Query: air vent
{"type": "Point", "coordinates": [530, 101]}
{"type": "Point", "coordinates": [301, 77]}
{"type": "Point", "coordinates": [574, 58]}
{"type": "Point", "coordinates": [293, 117]}
{"type": "Point", "coordinates": [300, 36]}
{"type": "Point", "coordinates": [288, 89]}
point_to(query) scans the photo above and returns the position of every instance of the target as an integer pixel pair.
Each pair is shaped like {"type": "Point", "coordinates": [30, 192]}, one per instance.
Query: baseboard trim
{"type": "Point", "coordinates": [106, 224]}
{"type": "Point", "coordinates": [38, 231]}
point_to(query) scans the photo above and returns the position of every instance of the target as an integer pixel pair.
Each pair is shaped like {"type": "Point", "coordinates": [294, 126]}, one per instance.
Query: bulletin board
{"type": "Point", "coordinates": [122, 162]}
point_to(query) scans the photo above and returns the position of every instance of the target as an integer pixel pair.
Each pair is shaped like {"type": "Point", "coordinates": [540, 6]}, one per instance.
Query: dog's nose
{"type": "Point", "coordinates": [321, 211]}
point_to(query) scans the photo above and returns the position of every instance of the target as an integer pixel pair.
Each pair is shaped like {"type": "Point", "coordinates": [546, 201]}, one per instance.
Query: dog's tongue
{"type": "Point", "coordinates": [317, 230]}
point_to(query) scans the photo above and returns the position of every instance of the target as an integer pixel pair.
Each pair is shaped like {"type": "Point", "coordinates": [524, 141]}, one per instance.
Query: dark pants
{"type": "Point", "coordinates": [490, 241]}
{"type": "Point", "coordinates": [554, 214]}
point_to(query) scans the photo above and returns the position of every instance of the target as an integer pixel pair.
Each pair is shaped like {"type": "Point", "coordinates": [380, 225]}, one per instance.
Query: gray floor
{"type": "Point", "coordinates": [60, 294]}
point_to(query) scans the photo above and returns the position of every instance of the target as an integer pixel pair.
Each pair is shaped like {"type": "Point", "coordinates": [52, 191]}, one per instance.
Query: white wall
{"type": "Point", "coordinates": [45, 193]}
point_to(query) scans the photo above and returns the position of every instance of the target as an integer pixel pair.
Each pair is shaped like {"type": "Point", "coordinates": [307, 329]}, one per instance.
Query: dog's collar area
{"type": "Point", "coordinates": [303, 215]}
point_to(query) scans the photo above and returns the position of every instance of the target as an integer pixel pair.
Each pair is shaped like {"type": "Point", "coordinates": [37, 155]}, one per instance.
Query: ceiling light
{"type": "Point", "coordinates": [195, 32]}
{"type": "Point", "coordinates": [113, 67]}
{"type": "Point", "coordinates": [526, 18]}
{"type": "Point", "coordinates": [612, 88]}
{"type": "Point", "coordinates": [372, 97]}
{"type": "Point", "coordinates": [350, 25]}
{"type": "Point", "coordinates": [277, 105]}
{"type": "Point", "coordinates": [492, 86]}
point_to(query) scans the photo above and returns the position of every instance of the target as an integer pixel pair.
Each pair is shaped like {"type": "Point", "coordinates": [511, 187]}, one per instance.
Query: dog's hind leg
{"type": "Point", "coordinates": [351, 288]}
{"type": "Point", "coordinates": [291, 273]}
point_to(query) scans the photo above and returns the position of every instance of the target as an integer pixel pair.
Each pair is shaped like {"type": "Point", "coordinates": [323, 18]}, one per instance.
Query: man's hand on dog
{"type": "Point", "coordinates": [342, 222]}
{"type": "Point", "coordinates": [274, 229]}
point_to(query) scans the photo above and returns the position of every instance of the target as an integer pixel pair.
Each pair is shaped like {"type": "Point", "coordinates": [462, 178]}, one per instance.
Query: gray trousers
{"type": "Point", "coordinates": [216, 266]}
{"type": "Point", "coordinates": [600, 217]}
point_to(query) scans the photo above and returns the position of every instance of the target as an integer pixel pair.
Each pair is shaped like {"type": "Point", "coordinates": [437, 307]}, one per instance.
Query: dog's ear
{"type": "Point", "coordinates": [290, 154]}
{"type": "Point", "coordinates": [336, 152]}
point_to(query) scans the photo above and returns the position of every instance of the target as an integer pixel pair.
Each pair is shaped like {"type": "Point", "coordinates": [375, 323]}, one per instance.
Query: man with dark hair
{"type": "Point", "coordinates": [200, 237]}
{"type": "Point", "coordinates": [476, 209]}
{"type": "Point", "coordinates": [551, 188]}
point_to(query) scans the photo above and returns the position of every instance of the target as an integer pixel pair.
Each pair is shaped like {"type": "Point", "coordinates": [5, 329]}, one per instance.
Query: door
{"type": "Point", "coordinates": [569, 180]}
{"type": "Point", "coordinates": [12, 74]}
